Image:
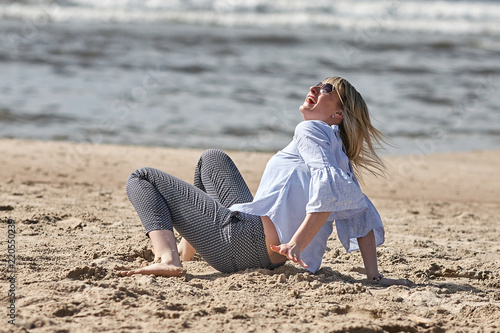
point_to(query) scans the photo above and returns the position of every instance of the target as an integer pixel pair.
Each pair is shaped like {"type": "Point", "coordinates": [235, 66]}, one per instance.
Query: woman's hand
{"type": "Point", "coordinates": [291, 251]}
{"type": "Point", "coordinates": [399, 282]}
{"type": "Point", "coordinates": [302, 237]}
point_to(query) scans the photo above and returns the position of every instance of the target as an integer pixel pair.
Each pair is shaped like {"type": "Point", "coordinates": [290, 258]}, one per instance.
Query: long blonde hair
{"type": "Point", "coordinates": [361, 140]}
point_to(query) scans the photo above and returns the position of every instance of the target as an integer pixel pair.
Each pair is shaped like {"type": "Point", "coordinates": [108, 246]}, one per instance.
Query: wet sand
{"type": "Point", "coordinates": [75, 226]}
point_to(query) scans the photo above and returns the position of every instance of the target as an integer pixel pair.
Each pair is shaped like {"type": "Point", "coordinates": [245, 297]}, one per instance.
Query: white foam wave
{"type": "Point", "coordinates": [419, 16]}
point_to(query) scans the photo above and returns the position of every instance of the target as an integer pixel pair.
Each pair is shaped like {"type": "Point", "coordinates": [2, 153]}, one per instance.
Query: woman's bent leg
{"type": "Point", "coordinates": [163, 201]}
{"type": "Point", "coordinates": [217, 175]}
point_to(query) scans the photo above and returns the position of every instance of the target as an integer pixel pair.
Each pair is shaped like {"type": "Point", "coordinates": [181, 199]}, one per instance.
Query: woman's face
{"type": "Point", "coordinates": [320, 106]}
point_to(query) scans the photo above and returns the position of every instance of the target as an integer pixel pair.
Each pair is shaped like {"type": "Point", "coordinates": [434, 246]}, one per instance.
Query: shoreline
{"type": "Point", "coordinates": [74, 226]}
{"type": "Point", "coordinates": [467, 175]}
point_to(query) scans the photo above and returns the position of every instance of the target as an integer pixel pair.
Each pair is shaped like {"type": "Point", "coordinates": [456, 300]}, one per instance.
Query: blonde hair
{"type": "Point", "coordinates": [361, 140]}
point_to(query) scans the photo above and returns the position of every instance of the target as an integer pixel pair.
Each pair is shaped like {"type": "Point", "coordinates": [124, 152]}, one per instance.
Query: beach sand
{"type": "Point", "coordinates": [75, 226]}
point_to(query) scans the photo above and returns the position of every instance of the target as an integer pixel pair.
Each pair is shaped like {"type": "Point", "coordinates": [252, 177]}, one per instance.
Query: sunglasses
{"type": "Point", "coordinates": [327, 88]}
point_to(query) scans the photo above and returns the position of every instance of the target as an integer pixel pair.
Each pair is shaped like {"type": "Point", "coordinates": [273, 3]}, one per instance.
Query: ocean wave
{"type": "Point", "coordinates": [8, 116]}
{"type": "Point", "coordinates": [456, 17]}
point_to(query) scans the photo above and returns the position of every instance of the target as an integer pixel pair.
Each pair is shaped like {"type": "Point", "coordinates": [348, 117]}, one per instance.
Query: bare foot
{"type": "Point", "coordinates": [186, 251]}
{"type": "Point", "coordinates": [159, 268]}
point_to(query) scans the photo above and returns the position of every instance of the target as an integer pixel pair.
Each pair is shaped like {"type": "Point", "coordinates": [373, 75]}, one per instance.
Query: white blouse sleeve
{"type": "Point", "coordinates": [331, 189]}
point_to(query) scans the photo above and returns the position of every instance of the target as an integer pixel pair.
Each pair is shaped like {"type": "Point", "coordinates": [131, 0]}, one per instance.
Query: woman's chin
{"type": "Point", "coordinates": [303, 112]}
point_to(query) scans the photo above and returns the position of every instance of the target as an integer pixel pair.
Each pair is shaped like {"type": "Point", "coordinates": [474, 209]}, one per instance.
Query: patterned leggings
{"type": "Point", "coordinates": [229, 241]}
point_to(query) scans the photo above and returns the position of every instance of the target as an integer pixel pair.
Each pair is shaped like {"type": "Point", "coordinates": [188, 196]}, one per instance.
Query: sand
{"type": "Point", "coordinates": [75, 226]}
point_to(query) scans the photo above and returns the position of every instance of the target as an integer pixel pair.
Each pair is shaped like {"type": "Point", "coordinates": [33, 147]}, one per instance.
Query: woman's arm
{"type": "Point", "coordinates": [368, 251]}
{"type": "Point", "coordinates": [302, 237]}
{"type": "Point", "coordinates": [369, 254]}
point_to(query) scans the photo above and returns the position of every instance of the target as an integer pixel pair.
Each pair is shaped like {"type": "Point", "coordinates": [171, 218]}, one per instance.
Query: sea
{"type": "Point", "coordinates": [231, 74]}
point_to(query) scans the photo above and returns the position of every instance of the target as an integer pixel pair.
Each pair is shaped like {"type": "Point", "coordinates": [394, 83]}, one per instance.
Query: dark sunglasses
{"type": "Point", "coordinates": [327, 88]}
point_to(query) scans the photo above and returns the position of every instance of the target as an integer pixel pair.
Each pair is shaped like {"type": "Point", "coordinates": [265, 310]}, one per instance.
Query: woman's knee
{"type": "Point", "coordinates": [141, 173]}
{"type": "Point", "coordinates": [216, 156]}
{"type": "Point", "coordinates": [213, 153]}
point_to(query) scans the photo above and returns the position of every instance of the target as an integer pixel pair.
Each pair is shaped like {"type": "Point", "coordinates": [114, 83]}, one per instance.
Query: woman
{"type": "Point", "coordinates": [305, 188]}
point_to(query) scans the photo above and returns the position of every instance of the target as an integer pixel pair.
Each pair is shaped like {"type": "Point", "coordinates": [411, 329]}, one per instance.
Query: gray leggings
{"type": "Point", "coordinates": [228, 241]}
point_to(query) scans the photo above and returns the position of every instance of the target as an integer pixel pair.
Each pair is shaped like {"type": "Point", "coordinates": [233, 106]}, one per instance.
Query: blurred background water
{"type": "Point", "coordinates": [232, 74]}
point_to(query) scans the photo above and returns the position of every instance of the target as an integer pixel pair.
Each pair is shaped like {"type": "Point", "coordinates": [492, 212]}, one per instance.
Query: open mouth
{"type": "Point", "coordinates": [310, 100]}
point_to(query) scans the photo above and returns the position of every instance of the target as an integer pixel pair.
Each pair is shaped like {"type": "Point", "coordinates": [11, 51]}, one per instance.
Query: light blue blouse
{"type": "Point", "coordinates": [313, 174]}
